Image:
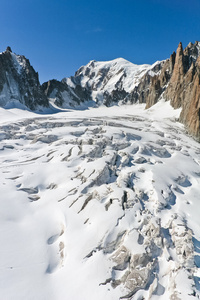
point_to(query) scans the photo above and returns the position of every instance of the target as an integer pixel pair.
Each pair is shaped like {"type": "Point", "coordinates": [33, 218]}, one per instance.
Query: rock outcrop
{"type": "Point", "coordinates": [178, 82]}
{"type": "Point", "coordinates": [65, 95]}
{"type": "Point", "coordinates": [19, 82]}
{"type": "Point", "coordinates": [190, 114]}
{"type": "Point", "coordinates": [184, 87]}
{"type": "Point", "coordinates": [152, 84]}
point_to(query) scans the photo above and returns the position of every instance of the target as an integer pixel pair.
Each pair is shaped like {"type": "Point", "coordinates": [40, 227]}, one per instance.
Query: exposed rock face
{"type": "Point", "coordinates": [153, 83]}
{"type": "Point", "coordinates": [19, 81]}
{"type": "Point", "coordinates": [190, 114]}
{"type": "Point", "coordinates": [65, 95]}
{"type": "Point", "coordinates": [184, 87]}
{"type": "Point", "coordinates": [176, 87]}
{"type": "Point", "coordinates": [178, 81]}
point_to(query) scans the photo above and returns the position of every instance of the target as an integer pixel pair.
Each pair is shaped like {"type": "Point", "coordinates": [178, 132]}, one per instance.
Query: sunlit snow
{"type": "Point", "coordinates": [99, 204]}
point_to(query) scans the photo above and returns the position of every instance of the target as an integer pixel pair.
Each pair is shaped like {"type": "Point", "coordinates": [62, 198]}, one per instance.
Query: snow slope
{"type": "Point", "coordinates": [99, 204]}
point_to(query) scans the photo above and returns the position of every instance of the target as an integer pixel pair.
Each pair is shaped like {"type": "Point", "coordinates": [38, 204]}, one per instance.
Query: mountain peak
{"type": "Point", "coordinates": [8, 49]}
{"type": "Point", "coordinates": [19, 82]}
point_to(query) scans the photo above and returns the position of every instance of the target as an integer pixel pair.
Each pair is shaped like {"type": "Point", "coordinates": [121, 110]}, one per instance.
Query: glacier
{"type": "Point", "coordinates": [101, 203]}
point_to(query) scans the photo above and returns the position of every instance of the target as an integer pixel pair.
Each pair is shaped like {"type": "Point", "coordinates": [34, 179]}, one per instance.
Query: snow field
{"type": "Point", "coordinates": [99, 204]}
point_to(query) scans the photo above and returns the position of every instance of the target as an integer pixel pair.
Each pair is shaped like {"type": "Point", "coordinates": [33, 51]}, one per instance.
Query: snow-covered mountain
{"type": "Point", "coordinates": [108, 83]}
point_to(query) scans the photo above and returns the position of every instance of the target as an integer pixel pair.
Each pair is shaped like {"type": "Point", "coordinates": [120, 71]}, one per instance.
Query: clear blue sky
{"type": "Point", "coordinates": [59, 36]}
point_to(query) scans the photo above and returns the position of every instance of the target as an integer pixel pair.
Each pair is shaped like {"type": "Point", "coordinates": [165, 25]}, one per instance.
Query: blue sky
{"type": "Point", "coordinates": [59, 36]}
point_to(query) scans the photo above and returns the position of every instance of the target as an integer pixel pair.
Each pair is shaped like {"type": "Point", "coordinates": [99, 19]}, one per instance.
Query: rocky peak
{"type": "Point", "coordinates": [65, 95]}
{"type": "Point", "coordinates": [19, 81]}
{"type": "Point", "coordinates": [179, 51]}
{"type": "Point", "coordinates": [179, 67]}
{"type": "Point", "coordinates": [184, 87]}
{"type": "Point", "coordinates": [152, 84]}
{"type": "Point", "coordinates": [178, 82]}
{"type": "Point", "coordinates": [8, 49]}
{"type": "Point", "coordinates": [190, 114]}
{"type": "Point", "coordinates": [172, 62]}
{"type": "Point", "coordinates": [192, 50]}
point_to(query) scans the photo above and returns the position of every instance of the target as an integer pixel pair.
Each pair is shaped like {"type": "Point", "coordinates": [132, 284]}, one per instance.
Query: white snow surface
{"type": "Point", "coordinates": [99, 204]}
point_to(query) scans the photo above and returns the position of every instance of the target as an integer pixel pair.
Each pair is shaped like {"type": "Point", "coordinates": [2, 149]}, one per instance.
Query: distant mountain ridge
{"type": "Point", "coordinates": [176, 79]}
{"type": "Point", "coordinates": [105, 83]}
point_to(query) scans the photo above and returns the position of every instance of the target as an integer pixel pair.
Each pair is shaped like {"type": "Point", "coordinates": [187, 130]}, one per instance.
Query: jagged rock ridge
{"type": "Point", "coordinates": [19, 81]}
{"type": "Point", "coordinates": [179, 82]}
{"type": "Point", "coordinates": [65, 95]}
{"type": "Point", "coordinates": [184, 86]}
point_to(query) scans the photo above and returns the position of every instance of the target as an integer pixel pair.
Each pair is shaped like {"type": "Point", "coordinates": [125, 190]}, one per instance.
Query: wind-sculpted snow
{"type": "Point", "coordinates": [99, 204]}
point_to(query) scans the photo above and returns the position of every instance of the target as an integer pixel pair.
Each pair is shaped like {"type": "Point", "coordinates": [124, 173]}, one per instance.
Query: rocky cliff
{"type": "Point", "coordinates": [184, 87]}
{"type": "Point", "coordinates": [65, 95]}
{"type": "Point", "coordinates": [19, 82]}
